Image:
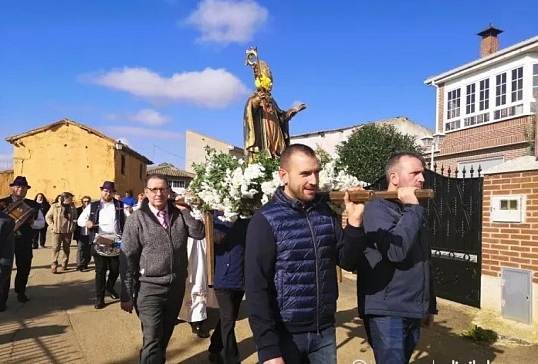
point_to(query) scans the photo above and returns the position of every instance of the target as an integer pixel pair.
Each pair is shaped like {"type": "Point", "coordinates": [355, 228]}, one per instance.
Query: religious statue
{"type": "Point", "coordinates": [265, 125]}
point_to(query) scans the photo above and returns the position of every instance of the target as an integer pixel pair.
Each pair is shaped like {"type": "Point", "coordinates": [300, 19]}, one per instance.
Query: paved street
{"type": "Point", "coordinates": [60, 325]}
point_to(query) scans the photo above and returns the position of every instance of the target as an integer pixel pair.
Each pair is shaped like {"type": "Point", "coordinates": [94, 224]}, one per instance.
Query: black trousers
{"type": "Point", "coordinates": [83, 251]}
{"type": "Point", "coordinates": [40, 237]}
{"type": "Point", "coordinates": [223, 340]}
{"type": "Point", "coordinates": [158, 307]}
{"type": "Point", "coordinates": [23, 261]}
{"type": "Point", "coordinates": [102, 264]}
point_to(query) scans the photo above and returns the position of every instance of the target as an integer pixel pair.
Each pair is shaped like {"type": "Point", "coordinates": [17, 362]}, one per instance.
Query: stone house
{"type": "Point", "coordinates": [195, 144]}
{"type": "Point", "coordinates": [68, 156]}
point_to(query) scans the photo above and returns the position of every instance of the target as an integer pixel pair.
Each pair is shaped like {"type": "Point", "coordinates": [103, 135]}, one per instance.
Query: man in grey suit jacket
{"type": "Point", "coordinates": [153, 265]}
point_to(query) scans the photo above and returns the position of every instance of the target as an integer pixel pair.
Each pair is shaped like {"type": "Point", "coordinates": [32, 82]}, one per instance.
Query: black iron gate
{"type": "Point", "coordinates": [455, 218]}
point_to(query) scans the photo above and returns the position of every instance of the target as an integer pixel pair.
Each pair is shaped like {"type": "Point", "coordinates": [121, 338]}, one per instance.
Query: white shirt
{"type": "Point", "coordinates": [107, 218]}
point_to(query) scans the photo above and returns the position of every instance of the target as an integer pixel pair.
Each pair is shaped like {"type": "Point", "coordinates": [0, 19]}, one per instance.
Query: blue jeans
{"type": "Point", "coordinates": [309, 347]}
{"type": "Point", "coordinates": [393, 339]}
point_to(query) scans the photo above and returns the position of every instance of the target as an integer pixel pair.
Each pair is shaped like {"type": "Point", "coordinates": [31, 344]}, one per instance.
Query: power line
{"type": "Point", "coordinates": [166, 151]}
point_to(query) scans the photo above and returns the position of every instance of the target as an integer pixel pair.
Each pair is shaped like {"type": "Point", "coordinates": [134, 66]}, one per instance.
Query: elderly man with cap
{"type": "Point", "coordinates": [105, 217]}
{"type": "Point", "coordinates": [23, 240]}
{"type": "Point", "coordinates": [62, 219]}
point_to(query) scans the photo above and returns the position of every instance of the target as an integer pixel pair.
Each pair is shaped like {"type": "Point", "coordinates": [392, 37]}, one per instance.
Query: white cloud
{"type": "Point", "coordinates": [150, 117]}
{"type": "Point", "coordinates": [144, 116]}
{"type": "Point", "coordinates": [130, 131]}
{"type": "Point", "coordinates": [212, 88]}
{"type": "Point", "coordinates": [112, 116]}
{"type": "Point", "coordinates": [227, 21]}
{"type": "Point", "coordinates": [6, 161]}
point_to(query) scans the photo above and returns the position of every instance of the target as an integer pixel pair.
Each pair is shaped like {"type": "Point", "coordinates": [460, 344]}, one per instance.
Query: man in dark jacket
{"type": "Point", "coordinates": [105, 217]}
{"type": "Point", "coordinates": [290, 265]}
{"type": "Point", "coordinates": [154, 265]}
{"type": "Point", "coordinates": [82, 237]}
{"type": "Point", "coordinates": [395, 285]}
{"type": "Point", "coordinates": [229, 286]}
{"type": "Point", "coordinates": [24, 237]}
{"type": "Point", "coordinates": [7, 251]}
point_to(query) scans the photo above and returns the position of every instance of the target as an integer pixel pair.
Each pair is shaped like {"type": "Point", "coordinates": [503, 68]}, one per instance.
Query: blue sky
{"type": "Point", "coordinates": [147, 70]}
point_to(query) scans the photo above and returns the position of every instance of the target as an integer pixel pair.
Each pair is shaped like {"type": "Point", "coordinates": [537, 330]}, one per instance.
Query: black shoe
{"type": "Point", "coordinates": [99, 304]}
{"type": "Point", "coordinates": [199, 330]}
{"type": "Point", "coordinates": [35, 246]}
{"type": "Point", "coordinates": [43, 246]}
{"type": "Point", "coordinates": [22, 297]}
{"type": "Point", "coordinates": [112, 293]}
{"type": "Point", "coordinates": [3, 306]}
{"type": "Point", "coordinates": [80, 268]}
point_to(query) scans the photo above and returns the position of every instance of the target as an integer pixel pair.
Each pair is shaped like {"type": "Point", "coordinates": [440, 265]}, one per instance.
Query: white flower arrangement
{"type": "Point", "coordinates": [228, 184]}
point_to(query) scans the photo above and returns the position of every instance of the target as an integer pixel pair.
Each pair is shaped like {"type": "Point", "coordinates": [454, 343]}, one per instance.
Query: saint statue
{"type": "Point", "coordinates": [265, 125]}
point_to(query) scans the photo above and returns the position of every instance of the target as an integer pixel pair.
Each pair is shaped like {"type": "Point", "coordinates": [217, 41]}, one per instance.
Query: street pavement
{"type": "Point", "coordinates": [60, 325]}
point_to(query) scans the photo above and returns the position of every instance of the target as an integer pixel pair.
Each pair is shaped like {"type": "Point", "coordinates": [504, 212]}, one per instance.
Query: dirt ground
{"type": "Point", "coordinates": [60, 325]}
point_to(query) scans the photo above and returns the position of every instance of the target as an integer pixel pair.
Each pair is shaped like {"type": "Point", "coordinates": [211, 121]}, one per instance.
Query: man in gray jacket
{"type": "Point", "coordinates": [153, 265]}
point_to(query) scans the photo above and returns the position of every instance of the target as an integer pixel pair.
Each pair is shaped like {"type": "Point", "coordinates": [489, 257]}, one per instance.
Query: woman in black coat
{"type": "Point", "coordinates": [41, 235]}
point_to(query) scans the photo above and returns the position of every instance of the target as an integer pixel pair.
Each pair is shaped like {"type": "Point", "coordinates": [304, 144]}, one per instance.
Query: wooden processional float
{"type": "Point", "coordinates": [335, 197]}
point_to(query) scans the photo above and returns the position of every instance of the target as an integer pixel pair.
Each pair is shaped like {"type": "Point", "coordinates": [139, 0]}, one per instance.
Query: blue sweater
{"type": "Point", "coordinates": [230, 255]}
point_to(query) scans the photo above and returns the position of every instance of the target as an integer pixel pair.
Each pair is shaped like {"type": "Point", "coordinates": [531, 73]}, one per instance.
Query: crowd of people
{"type": "Point", "coordinates": [283, 261]}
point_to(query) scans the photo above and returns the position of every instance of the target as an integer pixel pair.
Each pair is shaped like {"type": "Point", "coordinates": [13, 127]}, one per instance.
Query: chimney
{"type": "Point", "coordinates": [489, 43]}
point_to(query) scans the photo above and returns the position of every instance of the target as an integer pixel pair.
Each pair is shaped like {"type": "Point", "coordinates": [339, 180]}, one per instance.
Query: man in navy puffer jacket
{"type": "Point", "coordinates": [229, 286]}
{"type": "Point", "coordinates": [395, 285]}
{"type": "Point", "coordinates": [290, 265]}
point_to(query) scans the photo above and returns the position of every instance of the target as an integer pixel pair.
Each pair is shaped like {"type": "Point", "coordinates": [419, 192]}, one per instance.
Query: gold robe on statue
{"type": "Point", "coordinates": [266, 126]}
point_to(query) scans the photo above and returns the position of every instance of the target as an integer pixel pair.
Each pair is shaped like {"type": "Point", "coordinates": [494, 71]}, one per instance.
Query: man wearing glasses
{"type": "Point", "coordinates": [154, 265]}
{"type": "Point", "coordinates": [82, 236]}
{"type": "Point", "coordinates": [105, 217]}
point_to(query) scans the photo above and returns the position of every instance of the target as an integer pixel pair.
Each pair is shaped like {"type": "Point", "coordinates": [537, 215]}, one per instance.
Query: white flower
{"type": "Point", "coordinates": [237, 188]}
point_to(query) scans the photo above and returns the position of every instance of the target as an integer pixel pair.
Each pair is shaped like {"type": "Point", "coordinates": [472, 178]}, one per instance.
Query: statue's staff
{"type": "Point", "coordinates": [354, 196]}
{"type": "Point", "coordinates": [334, 197]}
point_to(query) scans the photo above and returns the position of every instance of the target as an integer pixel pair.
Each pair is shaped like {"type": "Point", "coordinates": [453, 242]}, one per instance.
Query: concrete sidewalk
{"type": "Point", "coordinates": [60, 325]}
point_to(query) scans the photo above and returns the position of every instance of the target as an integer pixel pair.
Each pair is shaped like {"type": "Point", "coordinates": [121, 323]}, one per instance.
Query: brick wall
{"type": "Point", "coordinates": [6, 177]}
{"type": "Point", "coordinates": [508, 152]}
{"type": "Point", "coordinates": [440, 107]}
{"type": "Point", "coordinates": [489, 45]}
{"type": "Point", "coordinates": [509, 244]}
{"type": "Point", "coordinates": [487, 136]}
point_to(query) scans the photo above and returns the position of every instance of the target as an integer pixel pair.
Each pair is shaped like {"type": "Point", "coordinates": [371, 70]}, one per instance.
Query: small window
{"type": "Point", "coordinates": [508, 208]}
{"type": "Point", "coordinates": [123, 164]}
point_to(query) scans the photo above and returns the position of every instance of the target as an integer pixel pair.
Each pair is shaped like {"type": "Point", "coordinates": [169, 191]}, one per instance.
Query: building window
{"type": "Point", "coordinates": [177, 184]}
{"type": "Point", "coordinates": [141, 169]}
{"type": "Point", "coordinates": [470, 99]}
{"type": "Point", "coordinates": [122, 164]}
{"type": "Point", "coordinates": [453, 108]}
{"type": "Point", "coordinates": [534, 80]}
{"type": "Point", "coordinates": [517, 84]}
{"type": "Point", "coordinates": [484, 95]}
{"type": "Point", "coordinates": [500, 89]}
{"type": "Point", "coordinates": [507, 112]}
